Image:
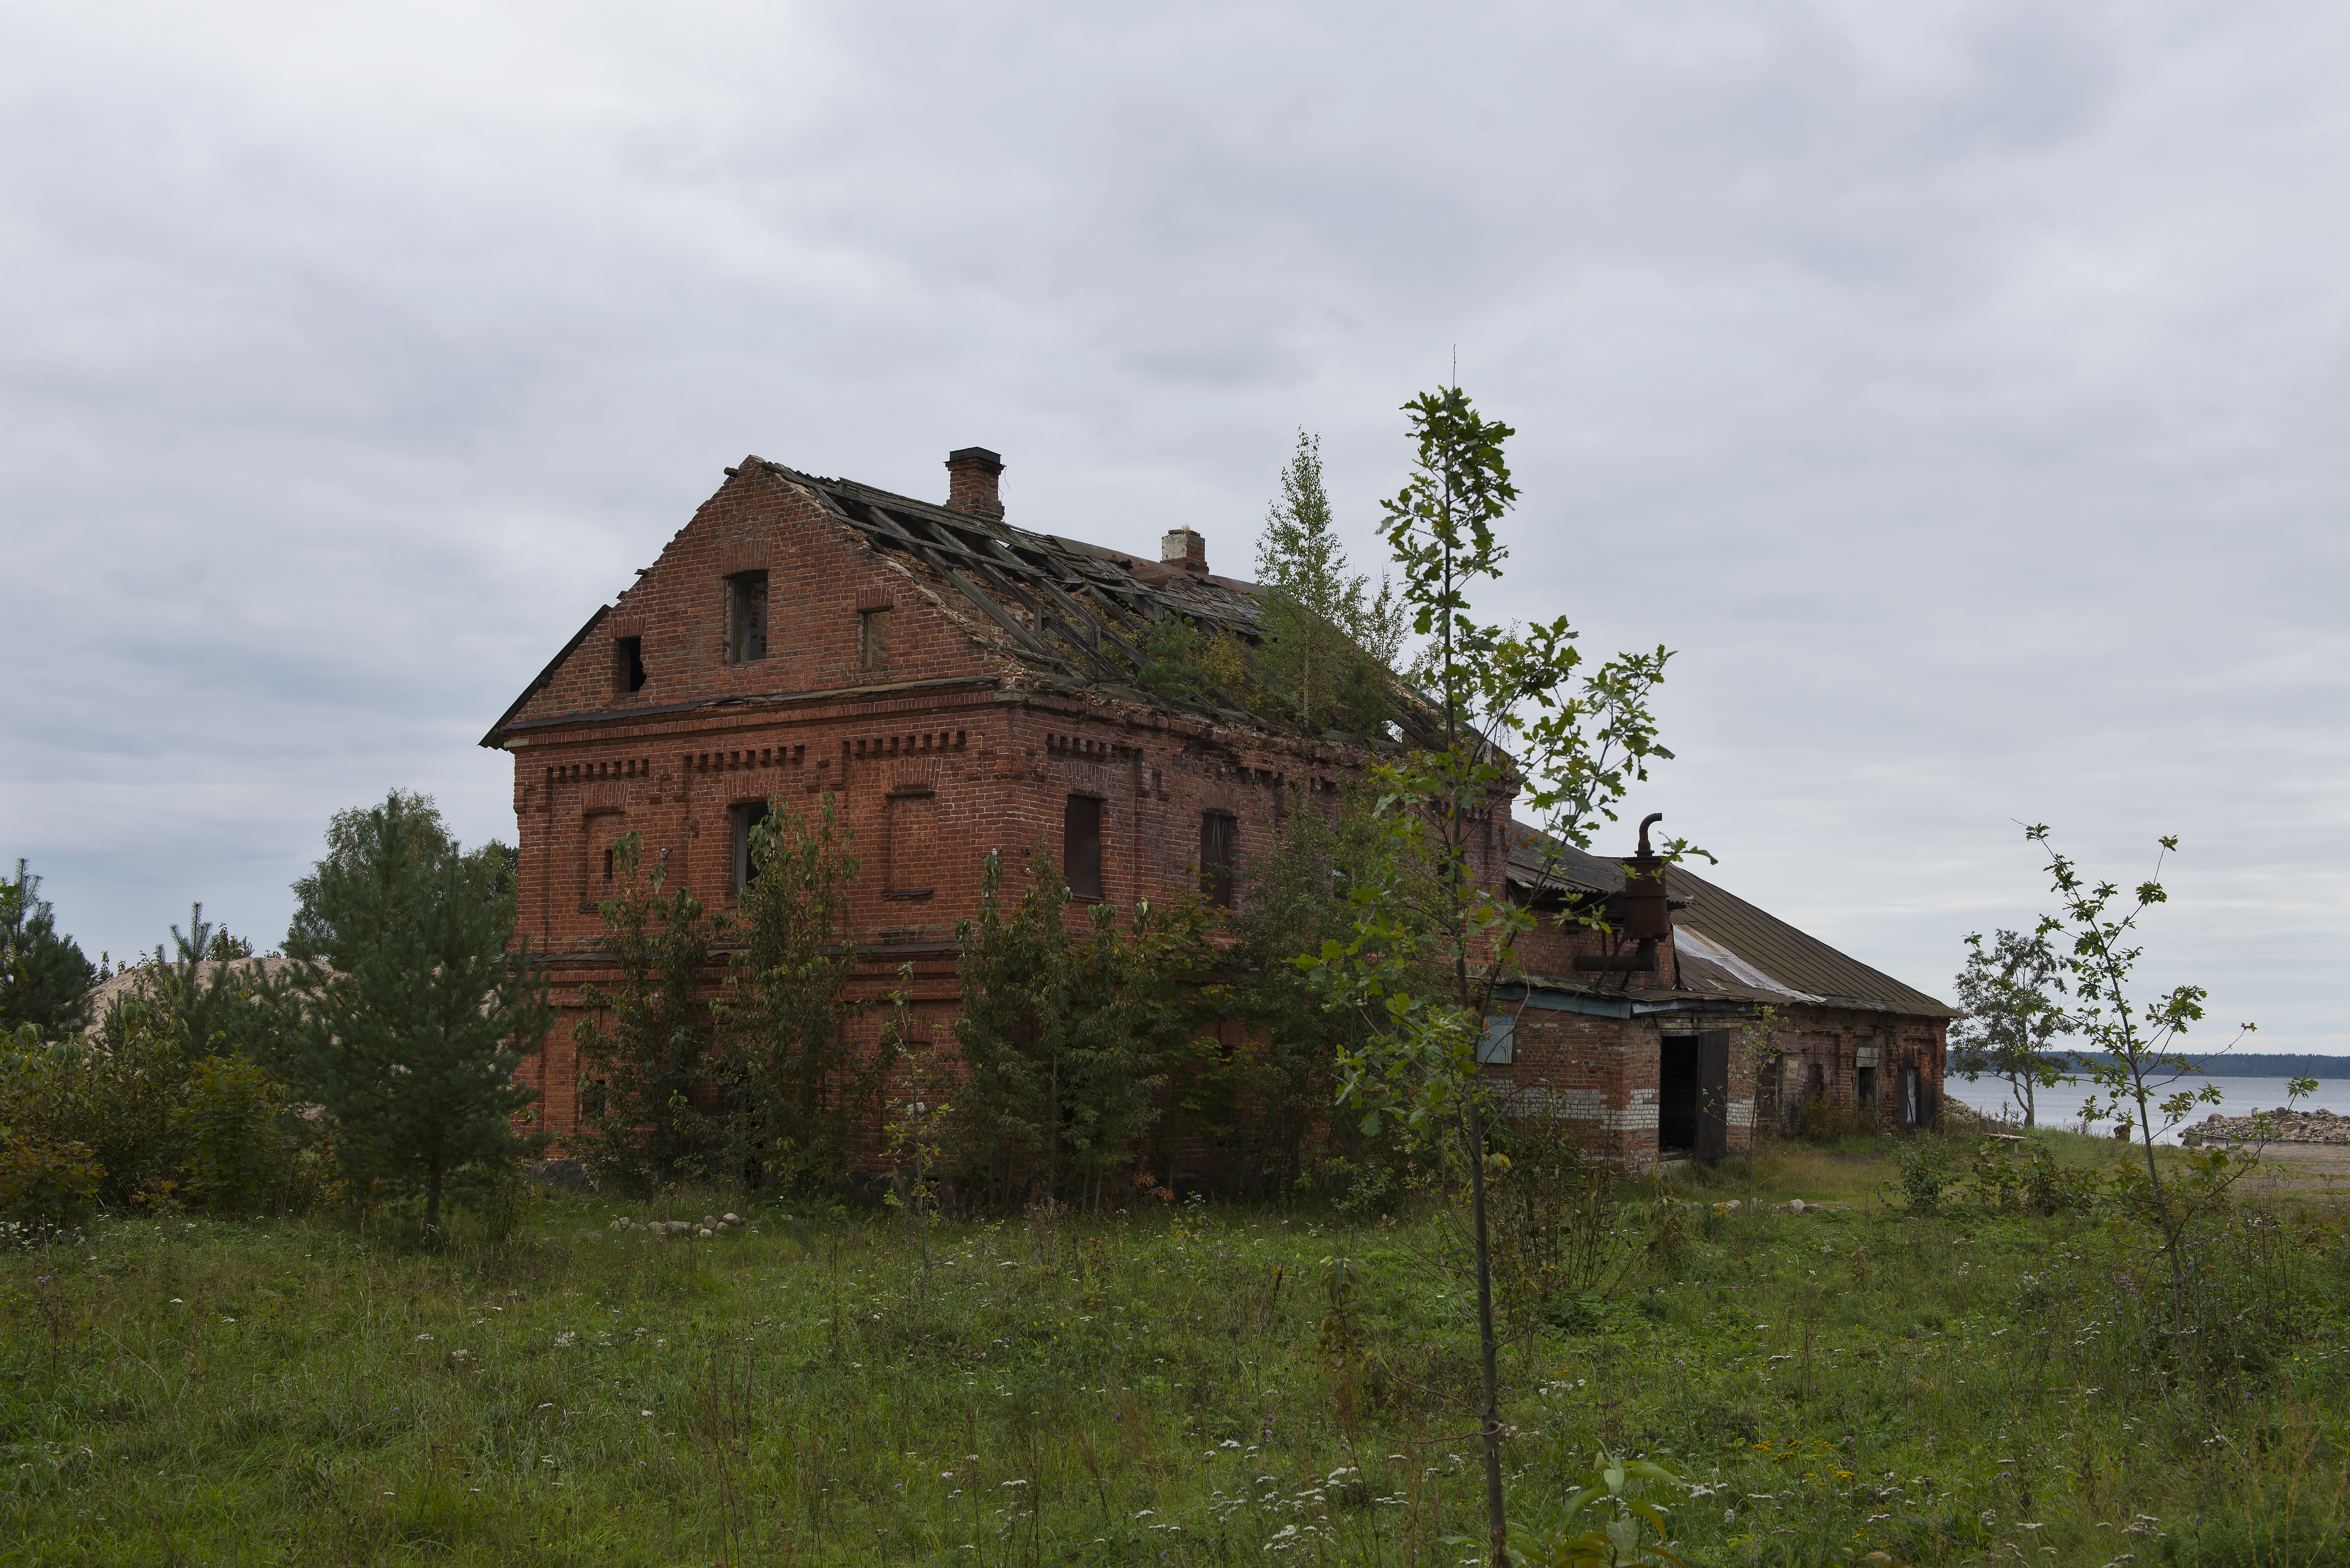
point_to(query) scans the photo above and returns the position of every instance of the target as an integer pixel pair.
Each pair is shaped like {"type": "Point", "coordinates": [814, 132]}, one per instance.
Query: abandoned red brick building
{"type": "Point", "coordinates": [962, 685]}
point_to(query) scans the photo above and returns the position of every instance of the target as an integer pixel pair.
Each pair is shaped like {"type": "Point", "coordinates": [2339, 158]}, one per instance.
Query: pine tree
{"type": "Point", "coordinates": [410, 1040]}
{"type": "Point", "coordinates": [807, 1095]}
{"type": "Point", "coordinates": [45, 980]}
{"type": "Point", "coordinates": [225, 1007]}
{"type": "Point", "coordinates": [1327, 644]}
{"type": "Point", "coordinates": [645, 1047]}
{"type": "Point", "coordinates": [1064, 1038]}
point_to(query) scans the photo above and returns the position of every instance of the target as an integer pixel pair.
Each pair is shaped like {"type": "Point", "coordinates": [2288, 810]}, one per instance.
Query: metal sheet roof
{"type": "Point", "coordinates": [1743, 949]}
{"type": "Point", "coordinates": [1726, 946]}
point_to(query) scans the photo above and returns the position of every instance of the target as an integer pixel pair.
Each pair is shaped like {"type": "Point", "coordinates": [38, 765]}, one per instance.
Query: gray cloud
{"type": "Point", "coordinates": [1961, 389]}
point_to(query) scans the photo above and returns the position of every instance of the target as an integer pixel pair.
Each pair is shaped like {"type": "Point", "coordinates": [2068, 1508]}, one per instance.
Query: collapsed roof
{"type": "Point", "coordinates": [1078, 613]}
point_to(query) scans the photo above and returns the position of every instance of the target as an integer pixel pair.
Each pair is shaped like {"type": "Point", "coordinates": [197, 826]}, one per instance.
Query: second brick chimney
{"type": "Point", "coordinates": [1183, 548]}
{"type": "Point", "coordinates": [970, 481]}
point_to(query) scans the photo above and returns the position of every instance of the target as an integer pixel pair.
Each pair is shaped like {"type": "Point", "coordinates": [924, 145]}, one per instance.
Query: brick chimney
{"type": "Point", "coordinates": [971, 481]}
{"type": "Point", "coordinates": [1183, 548]}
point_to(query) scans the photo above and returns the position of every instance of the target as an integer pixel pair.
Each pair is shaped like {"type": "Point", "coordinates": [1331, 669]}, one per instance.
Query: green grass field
{"type": "Point", "coordinates": [1155, 1387]}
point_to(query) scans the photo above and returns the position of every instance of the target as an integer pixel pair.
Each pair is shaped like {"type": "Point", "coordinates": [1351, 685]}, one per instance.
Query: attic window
{"type": "Point", "coordinates": [746, 617]}
{"type": "Point", "coordinates": [1218, 830]}
{"type": "Point", "coordinates": [628, 664]}
{"type": "Point", "coordinates": [873, 639]}
{"type": "Point", "coordinates": [1081, 846]}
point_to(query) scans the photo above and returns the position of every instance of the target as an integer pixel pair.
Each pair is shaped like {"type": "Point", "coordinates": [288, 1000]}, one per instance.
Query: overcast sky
{"type": "Point", "coordinates": [1958, 388]}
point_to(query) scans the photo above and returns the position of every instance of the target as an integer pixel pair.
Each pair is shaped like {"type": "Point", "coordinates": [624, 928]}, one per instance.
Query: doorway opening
{"type": "Point", "coordinates": [1677, 1096]}
{"type": "Point", "coordinates": [1693, 1093]}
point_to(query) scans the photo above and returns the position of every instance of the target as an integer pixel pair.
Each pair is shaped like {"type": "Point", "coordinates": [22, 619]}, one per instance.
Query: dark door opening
{"type": "Point", "coordinates": [1864, 1094]}
{"type": "Point", "coordinates": [1693, 1095]}
{"type": "Point", "coordinates": [1677, 1096]}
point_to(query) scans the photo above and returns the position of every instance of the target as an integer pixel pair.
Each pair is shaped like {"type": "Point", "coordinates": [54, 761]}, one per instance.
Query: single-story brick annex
{"type": "Point", "coordinates": [960, 685]}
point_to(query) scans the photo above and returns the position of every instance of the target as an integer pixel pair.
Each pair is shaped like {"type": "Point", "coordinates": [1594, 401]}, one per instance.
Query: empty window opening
{"type": "Point", "coordinates": [873, 639]}
{"type": "Point", "coordinates": [746, 617]}
{"type": "Point", "coordinates": [1217, 832]}
{"type": "Point", "coordinates": [1863, 1093]}
{"type": "Point", "coordinates": [607, 865]}
{"type": "Point", "coordinates": [747, 817]}
{"type": "Point", "coordinates": [628, 664]}
{"type": "Point", "coordinates": [1081, 846]}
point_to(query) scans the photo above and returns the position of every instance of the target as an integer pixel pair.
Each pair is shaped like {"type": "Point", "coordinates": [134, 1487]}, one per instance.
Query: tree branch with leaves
{"type": "Point", "coordinates": [1509, 714]}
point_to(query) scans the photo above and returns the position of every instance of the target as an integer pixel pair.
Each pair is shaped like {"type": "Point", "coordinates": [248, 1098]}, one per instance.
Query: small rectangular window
{"type": "Point", "coordinates": [1498, 1046]}
{"type": "Point", "coordinates": [1081, 846]}
{"type": "Point", "coordinates": [628, 664]}
{"type": "Point", "coordinates": [746, 617]}
{"type": "Point", "coordinates": [746, 866]}
{"type": "Point", "coordinates": [1218, 830]}
{"type": "Point", "coordinates": [873, 639]}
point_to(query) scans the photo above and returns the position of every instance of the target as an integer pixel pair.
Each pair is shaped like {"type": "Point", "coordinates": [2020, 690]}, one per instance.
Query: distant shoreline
{"type": "Point", "coordinates": [2236, 1064]}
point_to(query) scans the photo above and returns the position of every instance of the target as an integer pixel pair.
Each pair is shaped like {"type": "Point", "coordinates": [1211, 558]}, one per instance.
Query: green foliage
{"type": "Point", "coordinates": [1065, 1037]}
{"type": "Point", "coordinates": [2009, 1018]}
{"type": "Point", "coordinates": [1266, 1100]}
{"type": "Point", "coordinates": [115, 1102]}
{"type": "Point", "coordinates": [2139, 1074]}
{"type": "Point", "coordinates": [1185, 663]}
{"type": "Point", "coordinates": [136, 1121]}
{"type": "Point", "coordinates": [412, 1038]}
{"type": "Point", "coordinates": [918, 1118]}
{"type": "Point", "coordinates": [352, 852]}
{"type": "Point", "coordinates": [1560, 1239]}
{"type": "Point", "coordinates": [1845, 1382]}
{"type": "Point", "coordinates": [645, 1046]}
{"type": "Point", "coordinates": [245, 1139]}
{"type": "Point", "coordinates": [47, 1181]}
{"type": "Point", "coordinates": [45, 980]}
{"type": "Point", "coordinates": [2038, 1183]}
{"type": "Point", "coordinates": [1516, 716]}
{"type": "Point", "coordinates": [1610, 1520]}
{"type": "Point", "coordinates": [806, 1095]}
{"type": "Point", "coordinates": [1925, 1175]}
{"type": "Point", "coordinates": [1329, 645]}
{"type": "Point", "coordinates": [219, 1006]}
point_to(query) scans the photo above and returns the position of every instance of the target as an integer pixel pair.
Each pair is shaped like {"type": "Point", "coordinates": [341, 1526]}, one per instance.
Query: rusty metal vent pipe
{"type": "Point", "coordinates": [1646, 919]}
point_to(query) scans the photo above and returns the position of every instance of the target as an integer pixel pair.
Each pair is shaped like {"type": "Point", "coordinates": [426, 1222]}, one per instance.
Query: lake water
{"type": "Point", "coordinates": [2061, 1106]}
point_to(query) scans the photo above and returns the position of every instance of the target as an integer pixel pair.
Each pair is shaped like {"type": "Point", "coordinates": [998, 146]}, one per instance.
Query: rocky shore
{"type": "Point", "coordinates": [2282, 1127]}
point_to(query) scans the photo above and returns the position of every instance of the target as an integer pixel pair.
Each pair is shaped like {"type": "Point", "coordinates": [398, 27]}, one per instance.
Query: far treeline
{"type": "Point", "coordinates": [2228, 1065]}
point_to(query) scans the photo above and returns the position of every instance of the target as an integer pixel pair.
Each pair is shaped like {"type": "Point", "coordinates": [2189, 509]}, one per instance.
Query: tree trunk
{"type": "Point", "coordinates": [432, 1200]}
{"type": "Point", "coordinates": [1497, 1527]}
